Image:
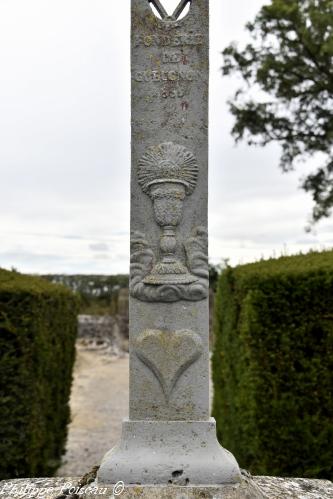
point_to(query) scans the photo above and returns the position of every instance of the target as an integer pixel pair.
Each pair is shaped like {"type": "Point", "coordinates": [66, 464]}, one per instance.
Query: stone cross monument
{"type": "Point", "coordinates": [169, 437]}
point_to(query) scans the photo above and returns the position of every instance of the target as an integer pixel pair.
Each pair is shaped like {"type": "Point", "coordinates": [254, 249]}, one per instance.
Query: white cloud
{"type": "Point", "coordinates": [99, 247]}
{"type": "Point", "coordinates": [65, 145]}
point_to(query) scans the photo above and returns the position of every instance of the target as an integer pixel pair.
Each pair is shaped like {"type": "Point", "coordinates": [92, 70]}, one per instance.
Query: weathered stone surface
{"type": "Point", "coordinates": [298, 488]}
{"type": "Point", "coordinates": [256, 488]}
{"type": "Point", "coordinates": [169, 437]}
{"type": "Point", "coordinates": [169, 263]}
{"type": "Point", "coordinates": [169, 452]}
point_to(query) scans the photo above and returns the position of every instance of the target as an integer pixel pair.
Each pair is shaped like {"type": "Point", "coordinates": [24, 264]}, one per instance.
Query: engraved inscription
{"type": "Point", "coordinates": [174, 58]}
{"type": "Point", "coordinates": [168, 354]}
{"type": "Point", "coordinates": [173, 93]}
{"type": "Point", "coordinates": [157, 76]}
{"type": "Point", "coordinates": [165, 93]}
{"type": "Point", "coordinates": [172, 40]}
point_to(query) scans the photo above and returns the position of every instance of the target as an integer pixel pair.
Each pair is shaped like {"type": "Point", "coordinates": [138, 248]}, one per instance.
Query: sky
{"type": "Point", "coordinates": [65, 145]}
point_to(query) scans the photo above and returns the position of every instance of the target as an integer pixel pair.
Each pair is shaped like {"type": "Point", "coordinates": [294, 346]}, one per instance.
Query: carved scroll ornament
{"type": "Point", "coordinates": [142, 262]}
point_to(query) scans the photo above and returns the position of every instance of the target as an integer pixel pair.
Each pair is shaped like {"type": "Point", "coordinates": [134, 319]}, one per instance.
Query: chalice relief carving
{"type": "Point", "coordinates": [168, 173]}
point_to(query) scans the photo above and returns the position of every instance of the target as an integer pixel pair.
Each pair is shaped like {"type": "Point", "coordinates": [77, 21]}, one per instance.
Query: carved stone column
{"type": "Point", "coordinates": [169, 437]}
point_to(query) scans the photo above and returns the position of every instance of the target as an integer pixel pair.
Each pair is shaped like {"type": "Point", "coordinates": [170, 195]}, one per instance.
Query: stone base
{"type": "Point", "coordinates": [169, 453]}
{"type": "Point", "coordinates": [248, 488]}
{"type": "Point", "coordinates": [244, 490]}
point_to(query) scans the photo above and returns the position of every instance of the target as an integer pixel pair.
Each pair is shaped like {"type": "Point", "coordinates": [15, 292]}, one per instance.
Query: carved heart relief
{"type": "Point", "coordinates": [168, 354]}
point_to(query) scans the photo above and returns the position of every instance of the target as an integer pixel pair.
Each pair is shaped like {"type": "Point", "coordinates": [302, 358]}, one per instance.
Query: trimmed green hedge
{"type": "Point", "coordinates": [38, 324]}
{"type": "Point", "coordinates": [273, 365]}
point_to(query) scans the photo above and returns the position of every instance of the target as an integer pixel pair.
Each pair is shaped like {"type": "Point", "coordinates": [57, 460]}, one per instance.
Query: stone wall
{"type": "Point", "coordinates": [103, 331]}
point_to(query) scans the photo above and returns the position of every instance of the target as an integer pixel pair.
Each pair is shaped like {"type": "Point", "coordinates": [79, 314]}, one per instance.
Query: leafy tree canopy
{"type": "Point", "coordinates": [290, 59]}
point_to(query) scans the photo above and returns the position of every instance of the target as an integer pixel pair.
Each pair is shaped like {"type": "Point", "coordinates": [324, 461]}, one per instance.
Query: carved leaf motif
{"type": "Point", "coordinates": [196, 248]}
{"type": "Point", "coordinates": [168, 355]}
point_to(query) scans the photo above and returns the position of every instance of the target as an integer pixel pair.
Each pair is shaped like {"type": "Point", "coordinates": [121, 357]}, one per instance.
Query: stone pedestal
{"type": "Point", "coordinates": [169, 438]}
{"type": "Point", "coordinates": [169, 452]}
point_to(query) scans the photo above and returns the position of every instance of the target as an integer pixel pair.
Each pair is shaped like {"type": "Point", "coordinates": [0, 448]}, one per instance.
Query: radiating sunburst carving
{"type": "Point", "coordinates": [168, 162]}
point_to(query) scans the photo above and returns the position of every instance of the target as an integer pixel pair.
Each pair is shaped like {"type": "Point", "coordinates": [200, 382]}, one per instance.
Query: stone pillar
{"type": "Point", "coordinates": [169, 437]}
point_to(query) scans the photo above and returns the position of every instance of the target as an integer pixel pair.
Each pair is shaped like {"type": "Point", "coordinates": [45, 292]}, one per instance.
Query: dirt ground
{"type": "Point", "coordinates": [99, 403]}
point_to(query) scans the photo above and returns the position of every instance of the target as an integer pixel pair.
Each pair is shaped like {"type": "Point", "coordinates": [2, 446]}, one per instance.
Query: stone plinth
{"type": "Point", "coordinates": [255, 488]}
{"type": "Point", "coordinates": [177, 452]}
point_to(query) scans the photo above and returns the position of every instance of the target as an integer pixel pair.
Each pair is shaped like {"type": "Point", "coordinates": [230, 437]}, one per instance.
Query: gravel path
{"type": "Point", "coordinates": [99, 403]}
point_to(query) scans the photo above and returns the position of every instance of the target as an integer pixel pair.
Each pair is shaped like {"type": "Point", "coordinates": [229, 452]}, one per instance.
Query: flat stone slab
{"type": "Point", "coordinates": [250, 488]}
{"type": "Point", "coordinates": [298, 488]}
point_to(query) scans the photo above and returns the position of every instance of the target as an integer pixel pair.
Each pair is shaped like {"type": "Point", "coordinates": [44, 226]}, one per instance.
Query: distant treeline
{"type": "Point", "coordinates": [98, 293]}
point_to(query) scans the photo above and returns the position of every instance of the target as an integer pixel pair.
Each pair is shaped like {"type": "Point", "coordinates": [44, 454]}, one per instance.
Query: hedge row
{"type": "Point", "coordinates": [273, 365]}
{"type": "Point", "coordinates": [38, 327]}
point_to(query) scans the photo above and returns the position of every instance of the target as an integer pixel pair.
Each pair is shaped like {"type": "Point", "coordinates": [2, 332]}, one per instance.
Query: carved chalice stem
{"type": "Point", "coordinates": [168, 199]}
{"type": "Point", "coordinates": [168, 245]}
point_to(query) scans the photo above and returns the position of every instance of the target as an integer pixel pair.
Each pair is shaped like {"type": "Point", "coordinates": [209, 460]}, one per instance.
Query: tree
{"type": "Point", "coordinates": [290, 59]}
